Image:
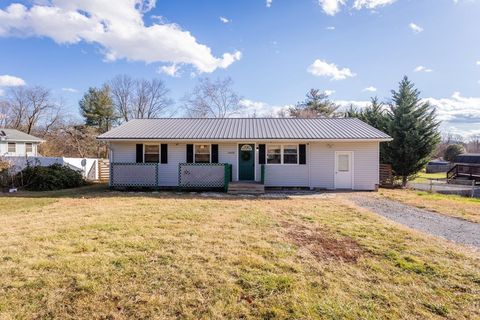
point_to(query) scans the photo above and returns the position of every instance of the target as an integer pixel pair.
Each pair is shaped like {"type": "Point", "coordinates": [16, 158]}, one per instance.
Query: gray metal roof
{"type": "Point", "coordinates": [16, 135]}
{"type": "Point", "coordinates": [244, 129]}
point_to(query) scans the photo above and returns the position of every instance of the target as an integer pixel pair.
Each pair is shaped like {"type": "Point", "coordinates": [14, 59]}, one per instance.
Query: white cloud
{"type": "Point", "coordinates": [371, 4]}
{"type": "Point", "coordinates": [329, 92]}
{"type": "Point", "coordinates": [119, 29]}
{"type": "Point", "coordinates": [171, 70]}
{"type": "Point", "coordinates": [322, 68]}
{"type": "Point", "coordinates": [459, 114]}
{"type": "Point", "coordinates": [415, 28]}
{"type": "Point", "coordinates": [345, 104]}
{"type": "Point", "coordinates": [370, 89]}
{"type": "Point", "coordinates": [422, 69]}
{"type": "Point", "coordinates": [260, 109]}
{"type": "Point", "coordinates": [224, 20]}
{"type": "Point", "coordinates": [11, 81]}
{"type": "Point", "coordinates": [70, 90]}
{"type": "Point", "coordinates": [331, 7]}
{"type": "Point", "coordinates": [478, 63]}
{"type": "Point", "coordinates": [269, 3]}
{"type": "Point", "coordinates": [330, 28]}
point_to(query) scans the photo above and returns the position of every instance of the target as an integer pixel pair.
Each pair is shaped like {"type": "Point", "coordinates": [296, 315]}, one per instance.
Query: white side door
{"type": "Point", "coordinates": [344, 170]}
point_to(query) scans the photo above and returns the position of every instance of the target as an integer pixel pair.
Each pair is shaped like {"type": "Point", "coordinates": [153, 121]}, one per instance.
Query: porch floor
{"type": "Point", "coordinates": [246, 187]}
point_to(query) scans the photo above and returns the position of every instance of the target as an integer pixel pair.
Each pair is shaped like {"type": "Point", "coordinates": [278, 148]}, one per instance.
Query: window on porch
{"type": "Point", "coordinates": [152, 153]}
{"type": "Point", "coordinates": [282, 154]}
{"type": "Point", "coordinates": [202, 153]}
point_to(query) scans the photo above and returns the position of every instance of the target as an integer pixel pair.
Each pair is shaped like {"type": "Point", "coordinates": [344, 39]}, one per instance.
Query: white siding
{"type": "Point", "coordinates": [177, 153]}
{"type": "Point", "coordinates": [318, 172]}
{"type": "Point", "coordinates": [227, 153]}
{"type": "Point", "coordinates": [168, 173]}
{"type": "Point", "coordinates": [365, 164]}
{"type": "Point", "coordinates": [287, 175]}
{"type": "Point", "coordinates": [19, 150]}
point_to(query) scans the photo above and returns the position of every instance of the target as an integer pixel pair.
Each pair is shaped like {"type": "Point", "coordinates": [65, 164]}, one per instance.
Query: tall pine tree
{"type": "Point", "coordinates": [97, 108]}
{"type": "Point", "coordinates": [413, 126]}
{"type": "Point", "coordinates": [375, 115]}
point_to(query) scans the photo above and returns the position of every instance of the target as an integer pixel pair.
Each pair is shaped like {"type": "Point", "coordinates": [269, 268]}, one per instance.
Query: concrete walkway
{"type": "Point", "coordinates": [454, 229]}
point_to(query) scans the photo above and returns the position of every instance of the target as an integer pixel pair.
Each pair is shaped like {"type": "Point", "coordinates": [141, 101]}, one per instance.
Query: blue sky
{"type": "Point", "coordinates": [274, 52]}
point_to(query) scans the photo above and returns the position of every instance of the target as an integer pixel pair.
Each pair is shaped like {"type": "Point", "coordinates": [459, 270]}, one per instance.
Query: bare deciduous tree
{"type": "Point", "coordinates": [139, 98]}
{"type": "Point", "coordinates": [121, 88]}
{"type": "Point", "coordinates": [30, 109]}
{"type": "Point", "coordinates": [213, 99]}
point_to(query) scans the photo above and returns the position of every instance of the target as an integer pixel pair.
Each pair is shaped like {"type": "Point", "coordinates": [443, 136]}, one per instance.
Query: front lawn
{"type": "Point", "coordinates": [450, 205]}
{"type": "Point", "coordinates": [111, 255]}
{"type": "Point", "coordinates": [423, 177]}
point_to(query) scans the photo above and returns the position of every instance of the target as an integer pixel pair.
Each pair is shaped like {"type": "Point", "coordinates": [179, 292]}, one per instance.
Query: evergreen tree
{"type": "Point", "coordinates": [97, 108]}
{"type": "Point", "coordinates": [413, 126]}
{"type": "Point", "coordinates": [453, 151]}
{"type": "Point", "coordinates": [375, 115]}
{"type": "Point", "coordinates": [316, 105]}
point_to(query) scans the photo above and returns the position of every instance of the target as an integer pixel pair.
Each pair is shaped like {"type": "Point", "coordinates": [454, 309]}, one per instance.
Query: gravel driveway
{"type": "Point", "coordinates": [453, 229]}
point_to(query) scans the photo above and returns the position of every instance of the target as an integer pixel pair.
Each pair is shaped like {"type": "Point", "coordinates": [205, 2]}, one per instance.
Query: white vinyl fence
{"type": "Point", "coordinates": [89, 170]}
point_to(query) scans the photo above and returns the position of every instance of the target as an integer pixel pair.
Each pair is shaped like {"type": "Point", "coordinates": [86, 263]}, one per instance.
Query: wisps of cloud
{"type": "Point", "coordinates": [11, 81]}
{"type": "Point", "coordinates": [259, 109]}
{"type": "Point", "coordinates": [370, 89]}
{"type": "Point", "coordinates": [224, 20]}
{"type": "Point", "coordinates": [415, 27]}
{"type": "Point", "coordinates": [422, 69]}
{"type": "Point", "coordinates": [322, 68]}
{"type": "Point", "coordinates": [269, 3]}
{"type": "Point", "coordinates": [119, 29]}
{"type": "Point", "coordinates": [70, 90]}
{"type": "Point", "coordinates": [172, 70]}
{"type": "Point", "coordinates": [371, 4]}
{"type": "Point", "coordinates": [331, 28]}
{"type": "Point", "coordinates": [332, 7]}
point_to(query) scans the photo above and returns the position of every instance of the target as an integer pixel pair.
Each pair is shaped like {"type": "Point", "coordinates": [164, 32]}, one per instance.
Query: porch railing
{"type": "Point", "coordinates": [204, 175]}
{"type": "Point", "coordinates": [134, 175]}
{"type": "Point", "coordinates": [190, 175]}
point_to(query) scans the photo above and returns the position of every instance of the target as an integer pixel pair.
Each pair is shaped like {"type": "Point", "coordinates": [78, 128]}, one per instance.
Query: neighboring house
{"type": "Point", "coordinates": [17, 143]}
{"type": "Point", "coordinates": [468, 158]}
{"type": "Point", "coordinates": [327, 153]}
{"type": "Point", "coordinates": [438, 165]}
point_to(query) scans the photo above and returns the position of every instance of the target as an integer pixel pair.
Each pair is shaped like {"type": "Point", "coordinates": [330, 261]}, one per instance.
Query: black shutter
{"type": "Point", "coordinates": [214, 153]}
{"type": "Point", "coordinates": [164, 153]}
{"type": "Point", "coordinates": [189, 153]}
{"type": "Point", "coordinates": [139, 153]}
{"type": "Point", "coordinates": [302, 154]}
{"type": "Point", "coordinates": [261, 154]}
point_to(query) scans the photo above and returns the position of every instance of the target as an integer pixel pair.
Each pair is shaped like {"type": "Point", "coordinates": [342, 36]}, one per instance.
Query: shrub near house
{"type": "Point", "coordinates": [54, 177]}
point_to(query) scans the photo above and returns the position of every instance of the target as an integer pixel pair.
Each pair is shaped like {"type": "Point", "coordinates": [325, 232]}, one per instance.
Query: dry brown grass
{"type": "Point", "coordinates": [96, 255]}
{"type": "Point", "coordinates": [450, 205]}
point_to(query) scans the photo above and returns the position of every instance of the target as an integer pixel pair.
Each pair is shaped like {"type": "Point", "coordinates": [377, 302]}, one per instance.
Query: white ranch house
{"type": "Point", "coordinates": [15, 143]}
{"type": "Point", "coordinates": [324, 153]}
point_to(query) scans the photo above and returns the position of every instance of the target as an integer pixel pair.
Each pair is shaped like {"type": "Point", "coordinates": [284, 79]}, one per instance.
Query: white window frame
{"type": "Point", "coordinates": [14, 146]}
{"type": "Point", "coordinates": [282, 146]}
{"type": "Point", "coordinates": [209, 152]}
{"type": "Point", "coordinates": [31, 145]}
{"type": "Point", "coordinates": [159, 151]}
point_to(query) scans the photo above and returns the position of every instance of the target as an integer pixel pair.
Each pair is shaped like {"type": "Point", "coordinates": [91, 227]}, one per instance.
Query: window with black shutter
{"type": "Point", "coordinates": [214, 153]}
{"type": "Point", "coordinates": [302, 150]}
{"type": "Point", "coordinates": [164, 153]}
{"type": "Point", "coordinates": [189, 153]}
{"type": "Point", "coordinates": [139, 158]}
{"type": "Point", "coordinates": [261, 154]}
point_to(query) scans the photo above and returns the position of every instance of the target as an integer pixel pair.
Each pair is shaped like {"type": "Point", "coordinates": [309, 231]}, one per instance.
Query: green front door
{"type": "Point", "coordinates": [246, 162]}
